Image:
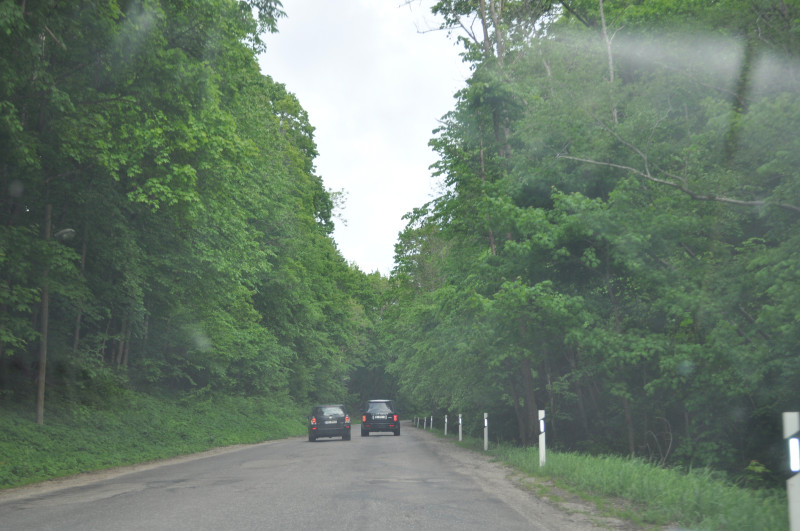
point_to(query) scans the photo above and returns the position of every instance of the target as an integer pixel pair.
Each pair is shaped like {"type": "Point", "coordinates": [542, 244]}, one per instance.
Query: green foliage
{"type": "Point", "coordinates": [134, 428]}
{"type": "Point", "coordinates": [692, 499]}
{"type": "Point", "coordinates": [201, 259]}
{"type": "Point", "coordinates": [17, 296]}
{"type": "Point", "coordinates": [640, 491]}
{"type": "Point", "coordinates": [616, 240]}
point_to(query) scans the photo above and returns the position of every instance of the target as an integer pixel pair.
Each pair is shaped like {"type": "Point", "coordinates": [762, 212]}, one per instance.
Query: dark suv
{"type": "Point", "coordinates": [379, 415]}
{"type": "Point", "coordinates": [330, 420]}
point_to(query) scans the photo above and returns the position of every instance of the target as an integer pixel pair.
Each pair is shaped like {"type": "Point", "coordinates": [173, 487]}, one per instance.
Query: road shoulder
{"type": "Point", "coordinates": [559, 510]}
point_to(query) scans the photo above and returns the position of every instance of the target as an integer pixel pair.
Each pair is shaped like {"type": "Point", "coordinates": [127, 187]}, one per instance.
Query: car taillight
{"type": "Point", "coordinates": [363, 418]}
{"type": "Point", "coordinates": [347, 418]}
{"type": "Point", "coordinates": [313, 420]}
{"type": "Point", "coordinates": [395, 418]}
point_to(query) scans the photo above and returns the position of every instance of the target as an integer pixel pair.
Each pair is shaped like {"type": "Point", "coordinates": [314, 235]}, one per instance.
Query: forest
{"type": "Point", "coordinates": [163, 227]}
{"type": "Point", "coordinates": [617, 241]}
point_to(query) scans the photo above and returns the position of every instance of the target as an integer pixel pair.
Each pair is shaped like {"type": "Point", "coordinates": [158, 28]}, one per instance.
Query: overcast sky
{"type": "Point", "coordinates": [374, 84]}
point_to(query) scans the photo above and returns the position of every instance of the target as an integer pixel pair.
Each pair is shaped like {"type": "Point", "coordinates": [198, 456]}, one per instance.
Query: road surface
{"type": "Point", "coordinates": [415, 481]}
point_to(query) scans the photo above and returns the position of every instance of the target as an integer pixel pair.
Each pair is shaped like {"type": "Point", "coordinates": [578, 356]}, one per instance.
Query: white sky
{"type": "Point", "coordinates": [374, 85]}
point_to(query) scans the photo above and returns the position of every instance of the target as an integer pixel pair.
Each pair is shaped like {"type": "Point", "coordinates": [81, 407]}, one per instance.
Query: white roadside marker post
{"type": "Point", "coordinates": [791, 432]}
{"type": "Point", "coordinates": [445, 425]}
{"type": "Point", "coordinates": [459, 426]}
{"type": "Point", "coordinates": [486, 432]}
{"type": "Point", "coordinates": [431, 426]}
{"type": "Point", "coordinates": [542, 456]}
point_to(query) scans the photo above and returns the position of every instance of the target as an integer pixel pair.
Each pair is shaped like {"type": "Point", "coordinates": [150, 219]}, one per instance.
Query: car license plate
{"type": "Point", "coordinates": [330, 422]}
{"type": "Point", "coordinates": [379, 417]}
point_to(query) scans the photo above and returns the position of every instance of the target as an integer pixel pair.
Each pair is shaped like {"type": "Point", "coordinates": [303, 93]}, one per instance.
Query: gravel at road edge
{"type": "Point", "coordinates": [516, 489]}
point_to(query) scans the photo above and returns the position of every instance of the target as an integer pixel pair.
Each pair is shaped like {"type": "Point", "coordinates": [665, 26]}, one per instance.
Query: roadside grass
{"type": "Point", "coordinates": [137, 428]}
{"type": "Point", "coordinates": [644, 493]}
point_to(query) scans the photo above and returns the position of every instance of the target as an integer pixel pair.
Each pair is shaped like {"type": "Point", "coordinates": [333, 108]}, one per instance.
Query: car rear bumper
{"type": "Point", "coordinates": [338, 431]}
{"type": "Point", "coordinates": [380, 426]}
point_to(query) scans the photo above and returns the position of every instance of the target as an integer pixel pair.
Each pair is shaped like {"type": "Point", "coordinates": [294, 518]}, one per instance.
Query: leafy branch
{"type": "Point", "coordinates": [672, 180]}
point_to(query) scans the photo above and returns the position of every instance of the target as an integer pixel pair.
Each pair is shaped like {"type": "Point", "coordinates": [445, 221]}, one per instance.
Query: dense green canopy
{"type": "Point", "coordinates": [188, 245]}
{"type": "Point", "coordinates": [618, 243]}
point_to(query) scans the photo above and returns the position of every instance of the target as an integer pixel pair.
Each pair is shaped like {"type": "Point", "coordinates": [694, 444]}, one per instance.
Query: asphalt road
{"type": "Point", "coordinates": [414, 481]}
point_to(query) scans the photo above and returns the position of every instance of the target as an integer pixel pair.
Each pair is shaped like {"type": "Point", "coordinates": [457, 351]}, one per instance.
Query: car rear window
{"type": "Point", "coordinates": [379, 407]}
{"type": "Point", "coordinates": [331, 410]}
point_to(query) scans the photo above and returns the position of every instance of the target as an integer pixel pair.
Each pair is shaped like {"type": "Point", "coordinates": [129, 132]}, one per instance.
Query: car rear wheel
{"type": "Point", "coordinates": [364, 433]}
{"type": "Point", "coordinates": [397, 431]}
{"type": "Point", "coordinates": [311, 438]}
{"type": "Point", "coordinates": [346, 436]}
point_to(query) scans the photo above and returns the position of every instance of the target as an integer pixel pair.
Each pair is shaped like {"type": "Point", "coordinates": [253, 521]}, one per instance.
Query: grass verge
{"type": "Point", "coordinates": [651, 496]}
{"type": "Point", "coordinates": [139, 428]}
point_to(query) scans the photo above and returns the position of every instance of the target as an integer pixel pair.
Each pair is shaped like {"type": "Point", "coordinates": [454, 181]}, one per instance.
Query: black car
{"type": "Point", "coordinates": [329, 420]}
{"type": "Point", "coordinates": [379, 415]}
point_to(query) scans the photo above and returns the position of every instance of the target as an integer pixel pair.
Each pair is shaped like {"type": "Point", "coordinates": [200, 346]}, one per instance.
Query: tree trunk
{"type": "Point", "coordinates": [607, 40]}
{"type": "Point", "coordinates": [551, 397]}
{"type": "Point", "coordinates": [629, 425]}
{"type": "Point", "coordinates": [532, 419]}
{"type": "Point", "coordinates": [492, 246]}
{"type": "Point", "coordinates": [48, 211]}
{"type": "Point", "coordinates": [76, 335]}
{"type": "Point", "coordinates": [127, 348]}
{"type": "Point", "coordinates": [3, 369]}
{"type": "Point", "coordinates": [145, 333]}
{"type": "Point", "coordinates": [105, 340]}
{"type": "Point", "coordinates": [518, 411]}
{"type": "Point", "coordinates": [501, 132]}
{"type": "Point", "coordinates": [582, 411]}
{"type": "Point", "coordinates": [584, 418]}
{"type": "Point", "coordinates": [121, 344]}
{"type": "Point", "coordinates": [740, 102]}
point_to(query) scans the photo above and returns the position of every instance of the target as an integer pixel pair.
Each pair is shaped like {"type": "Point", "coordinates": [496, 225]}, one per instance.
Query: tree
{"type": "Point", "coordinates": [188, 179]}
{"type": "Point", "coordinates": [609, 190]}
